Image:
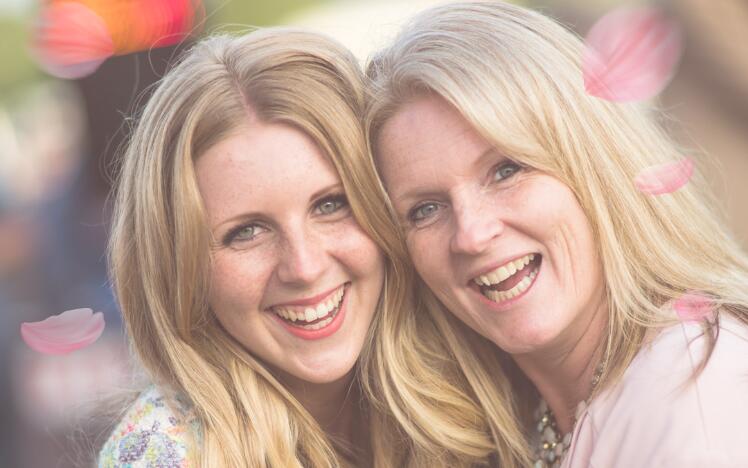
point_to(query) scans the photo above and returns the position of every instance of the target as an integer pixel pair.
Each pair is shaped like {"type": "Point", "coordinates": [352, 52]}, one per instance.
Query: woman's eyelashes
{"type": "Point", "coordinates": [422, 212]}
{"type": "Point", "coordinates": [329, 206]}
{"type": "Point", "coordinates": [243, 233]}
{"type": "Point", "coordinates": [505, 170]}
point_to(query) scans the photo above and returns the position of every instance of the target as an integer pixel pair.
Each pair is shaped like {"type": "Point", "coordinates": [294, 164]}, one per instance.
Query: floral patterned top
{"type": "Point", "coordinates": [150, 436]}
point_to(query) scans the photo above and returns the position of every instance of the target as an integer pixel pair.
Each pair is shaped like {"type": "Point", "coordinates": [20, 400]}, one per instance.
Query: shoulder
{"type": "Point", "coordinates": [660, 415]}
{"type": "Point", "coordinates": [667, 367]}
{"type": "Point", "coordinates": [150, 434]}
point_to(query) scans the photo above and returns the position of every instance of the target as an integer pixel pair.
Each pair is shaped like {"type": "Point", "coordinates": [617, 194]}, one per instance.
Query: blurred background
{"type": "Point", "coordinates": [58, 137]}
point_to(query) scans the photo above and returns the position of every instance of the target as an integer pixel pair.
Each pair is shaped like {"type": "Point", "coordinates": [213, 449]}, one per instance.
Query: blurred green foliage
{"type": "Point", "coordinates": [254, 12]}
{"type": "Point", "coordinates": [16, 66]}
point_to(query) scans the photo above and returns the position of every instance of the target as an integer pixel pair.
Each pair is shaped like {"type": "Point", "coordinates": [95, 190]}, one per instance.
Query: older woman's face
{"type": "Point", "coordinates": [294, 278]}
{"type": "Point", "coordinates": [507, 249]}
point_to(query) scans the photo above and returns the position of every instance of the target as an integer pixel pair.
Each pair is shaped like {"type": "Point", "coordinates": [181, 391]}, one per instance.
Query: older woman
{"type": "Point", "coordinates": [515, 190]}
{"type": "Point", "coordinates": [255, 264]}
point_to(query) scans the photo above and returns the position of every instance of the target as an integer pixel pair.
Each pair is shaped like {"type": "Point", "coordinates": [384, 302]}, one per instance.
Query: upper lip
{"type": "Point", "coordinates": [314, 300]}
{"type": "Point", "coordinates": [497, 264]}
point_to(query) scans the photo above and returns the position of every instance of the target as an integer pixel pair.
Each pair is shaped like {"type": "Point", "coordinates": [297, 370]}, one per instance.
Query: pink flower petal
{"type": "Point", "coordinates": [64, 333]}
{"type": "Point", "coordinates": [693, 307]}
{"type": "Point", "coordinates": [630, 54]}
{"type": "Point", "coordinates": [71, 40]}
{"type": "Point", "coordinates": [665, 178]}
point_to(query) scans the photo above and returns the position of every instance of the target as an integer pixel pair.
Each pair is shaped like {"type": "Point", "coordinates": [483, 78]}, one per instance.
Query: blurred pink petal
{"type": "Point", "coordinates": [665, 178]}
{"type": "Point", "coordinates": [71, 71]}
{"type": "Point", "coordinates": [693, 307]}
{"type": "Point", "coordinates": [64, 333]}
{"type": "Point", "coordinates": [72, 40]}
{"type": "Point", "coordinates": [630, 54]}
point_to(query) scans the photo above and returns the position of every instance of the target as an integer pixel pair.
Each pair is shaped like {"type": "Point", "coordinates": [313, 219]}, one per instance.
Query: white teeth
{"type": "Point", "coordinates": [322, 310]}
{"type": "Point", "coordinates": [310, 314]}
{"type": "Point", "coordinates": [503, 272]}
{"type": "Point", "coordinates": [519, 288]}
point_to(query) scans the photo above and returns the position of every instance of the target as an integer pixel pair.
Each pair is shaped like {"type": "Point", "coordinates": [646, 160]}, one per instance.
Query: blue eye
{"type": "Point", "coordinates": [422, 212]}
{"type": "Point", "coordinates": [246, 232]}
{"type": "Point", "coordinates": [506, 170]}
{"type": "Point", "coordinates": [331, 204]}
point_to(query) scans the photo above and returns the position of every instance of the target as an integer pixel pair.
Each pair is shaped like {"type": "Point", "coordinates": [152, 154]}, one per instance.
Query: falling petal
{"type": "Point", "coordinates": [664, 178]}
{"type": "Point", "coordinates": [693, 307]}
{"type": "Point", "coordinates": [71, 40]}
{"type": "Point", "coordinates": [64, 333]}
{"type": "Point", "coordinates": [630, 54]}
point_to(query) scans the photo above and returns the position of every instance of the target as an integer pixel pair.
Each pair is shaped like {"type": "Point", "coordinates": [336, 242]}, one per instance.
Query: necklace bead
{"type": "Point", "coordinates": [552, 446]}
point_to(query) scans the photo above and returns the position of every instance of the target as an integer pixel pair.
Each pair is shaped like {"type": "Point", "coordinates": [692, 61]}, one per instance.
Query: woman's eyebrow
{"type": "Point", "coordinates": [490, 153]}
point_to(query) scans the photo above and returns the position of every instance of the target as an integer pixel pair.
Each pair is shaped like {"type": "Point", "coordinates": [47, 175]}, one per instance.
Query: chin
{"type": "Point", "coordinates": [324, 372]}
{"type": "Point", "coordinates": [525, 339]}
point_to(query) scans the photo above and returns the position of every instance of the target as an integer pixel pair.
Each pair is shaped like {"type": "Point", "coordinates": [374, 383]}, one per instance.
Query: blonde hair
{"type": "Point", "coordinates": [160, 257]}
{"type": "Point", "coordinates": [515, 76]}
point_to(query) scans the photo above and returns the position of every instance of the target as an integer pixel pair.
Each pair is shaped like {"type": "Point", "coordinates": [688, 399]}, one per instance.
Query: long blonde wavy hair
{"type": "Point", "coordinates": [160, 262]}
{"type": "Point", "coordinates": [515, 76]}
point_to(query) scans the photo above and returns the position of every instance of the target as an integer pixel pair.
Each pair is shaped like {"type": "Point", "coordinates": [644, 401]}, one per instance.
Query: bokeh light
{"type": "Point", "coordinates": [73, 37]}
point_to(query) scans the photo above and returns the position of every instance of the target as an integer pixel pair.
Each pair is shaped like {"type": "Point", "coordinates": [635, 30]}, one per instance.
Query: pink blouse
{"type": "Point", "coordinates": [656, 417]}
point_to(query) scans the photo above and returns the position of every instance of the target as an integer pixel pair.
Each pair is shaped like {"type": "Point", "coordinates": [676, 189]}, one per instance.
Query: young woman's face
{"type": "Point", "coordinates": [294, 279]}
{"type": "Point", "coordinates": [507, 249]}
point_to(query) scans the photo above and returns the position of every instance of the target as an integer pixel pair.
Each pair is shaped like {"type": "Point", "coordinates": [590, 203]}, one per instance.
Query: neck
{"type": "Point", "coordinates": [562, 372]}
{"type": "Point", "coordinates": [334, 405]}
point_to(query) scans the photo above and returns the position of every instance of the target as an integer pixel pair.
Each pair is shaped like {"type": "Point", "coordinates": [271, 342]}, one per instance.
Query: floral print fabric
{"type": "Point", "coordinates": [149, 436]}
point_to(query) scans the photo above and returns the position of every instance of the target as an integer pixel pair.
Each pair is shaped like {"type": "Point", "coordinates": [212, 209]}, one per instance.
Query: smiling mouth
{"type": "Point", "coordinates": [312, 317]}
{"type": "Point", "coordinates": [509, 280]}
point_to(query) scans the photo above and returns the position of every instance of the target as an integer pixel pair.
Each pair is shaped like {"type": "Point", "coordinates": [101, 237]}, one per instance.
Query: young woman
{"type": "Point", "coordinates": [515, 190]}
{"type": "Point", "coordinates": [255, 266]}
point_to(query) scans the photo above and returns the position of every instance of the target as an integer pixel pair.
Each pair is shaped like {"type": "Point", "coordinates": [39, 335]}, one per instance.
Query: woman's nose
{"type": "Point", "coordinates": [476, 224]}
{"type": "Point", "coordinates": [303, 259]}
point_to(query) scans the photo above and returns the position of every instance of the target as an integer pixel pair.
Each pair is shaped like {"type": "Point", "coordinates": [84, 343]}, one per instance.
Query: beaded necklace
{"type": "Point", "coordinates": [553, 446]}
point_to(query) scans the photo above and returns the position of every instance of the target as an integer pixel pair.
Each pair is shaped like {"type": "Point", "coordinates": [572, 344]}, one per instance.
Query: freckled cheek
{"type": "Point", "coordinates": [428, 256]}
{"type": "Point", "coordinates": [350, 244]}
{"type": "Point", "coordinates": [237, 283]}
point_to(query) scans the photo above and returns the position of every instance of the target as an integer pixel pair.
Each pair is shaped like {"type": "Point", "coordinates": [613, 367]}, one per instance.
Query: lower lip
{"type": "Point", "coordinates": [324, 332]}
{"type": "Point", "coordinates": [504, 305]}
